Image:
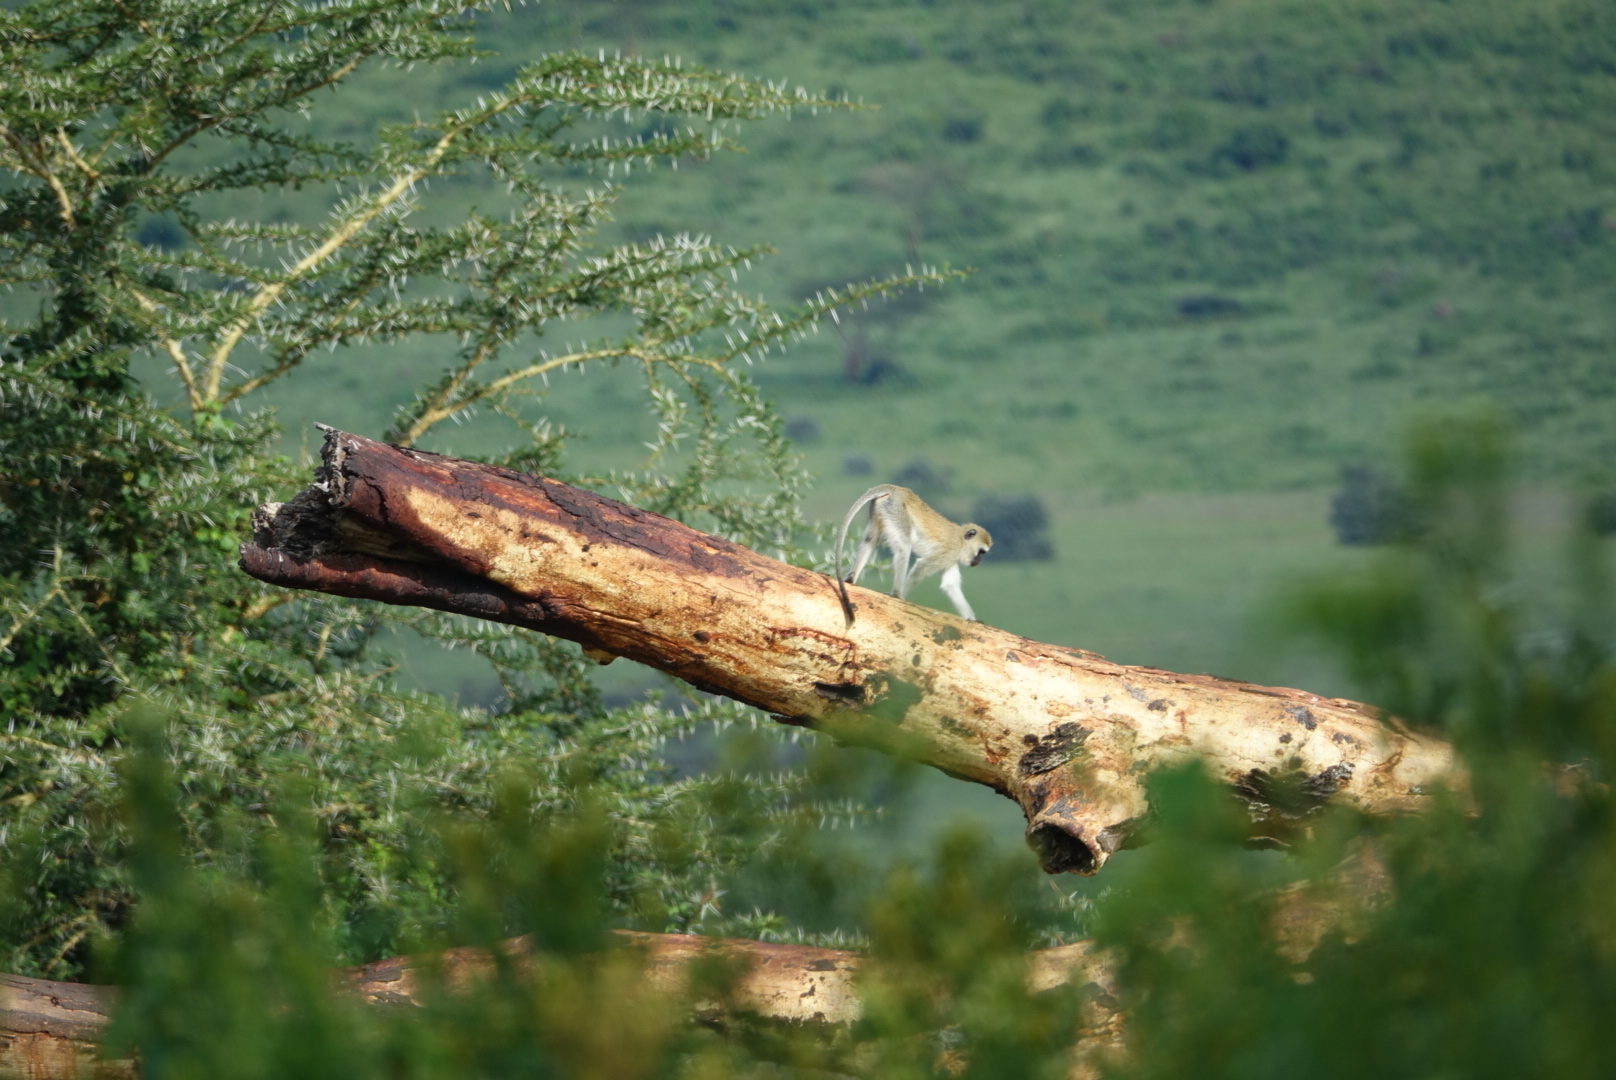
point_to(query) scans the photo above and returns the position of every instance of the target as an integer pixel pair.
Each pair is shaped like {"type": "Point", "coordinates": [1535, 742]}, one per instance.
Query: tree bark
{"type": "Point", "coordinates": [1067, 734]}
{"type": "Point", "coordinates": [51, 1030]}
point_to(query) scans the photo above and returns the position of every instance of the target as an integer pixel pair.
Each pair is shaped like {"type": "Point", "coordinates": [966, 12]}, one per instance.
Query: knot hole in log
{"type": "Point", "coordinates": [1058, 851]}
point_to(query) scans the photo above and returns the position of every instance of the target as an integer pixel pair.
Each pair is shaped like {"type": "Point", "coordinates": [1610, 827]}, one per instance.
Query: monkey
{"type": "Point", "coordinates": [903, 520]}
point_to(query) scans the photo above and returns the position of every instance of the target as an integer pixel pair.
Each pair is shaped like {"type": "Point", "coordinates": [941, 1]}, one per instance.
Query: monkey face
{"type": "Point", "coordinates": [977, 544]}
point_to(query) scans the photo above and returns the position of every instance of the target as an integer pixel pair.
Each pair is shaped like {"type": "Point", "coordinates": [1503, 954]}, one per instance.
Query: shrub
{"type": "Point", "coordinates": [1017, 524]}
{"type": "Point", "coordinates": [1261, 146]}
{"type": "Point", "coordinates": [1369, 509]}
{"type": "Point", "coordinates": [921, 476]}
{"type": "Point", "coordinates": [120, 518]}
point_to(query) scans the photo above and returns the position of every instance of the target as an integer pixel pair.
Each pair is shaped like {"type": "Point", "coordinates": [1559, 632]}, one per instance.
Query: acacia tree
{"type": "Point", "coordinates": [120, 516]}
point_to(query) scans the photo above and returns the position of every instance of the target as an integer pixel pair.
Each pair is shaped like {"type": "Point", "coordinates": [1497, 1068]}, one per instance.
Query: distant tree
{"type": "Point", "coordinates": [1369, 509]}
{"type": "Point", "coordinates": [1253, 148]}
{"type": "Point", "coordinates": [132, 135]}
{"type": "Point", "coordinates": [1601, 513]}
{"type": "Point", "coordinates": [924, 477]}
{"type": "Point", "coordinates": [1018, 524]}
{"type": "Point", "coordinates": [802, 429]}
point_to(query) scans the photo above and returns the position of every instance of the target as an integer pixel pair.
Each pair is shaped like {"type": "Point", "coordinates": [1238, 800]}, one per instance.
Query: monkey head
{"type": "Point", "coordinates": [975, 543]}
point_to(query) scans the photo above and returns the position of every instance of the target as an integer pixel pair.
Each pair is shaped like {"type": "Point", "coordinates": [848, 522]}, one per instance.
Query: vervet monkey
{"type": "Point", "coordinates": [902, 519]}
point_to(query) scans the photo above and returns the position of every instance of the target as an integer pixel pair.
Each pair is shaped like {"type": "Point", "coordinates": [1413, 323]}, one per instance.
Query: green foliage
{"type": "Point", "coordinates": [223, 979]}
{"type": "Point", "coordinates": [1482, 945]}
{"type": "Point", "coordinates": [947, 948]}
{"type": "Point", "coordinates": [226, 971]}
{"type": "Point", "coordinates": [136, 141]}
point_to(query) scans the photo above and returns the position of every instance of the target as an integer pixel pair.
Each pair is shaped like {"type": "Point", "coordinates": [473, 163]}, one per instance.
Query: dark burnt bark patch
{"type": "Point", "coordinates": [1052, 750]}
{"type": "Point", "coordinates": [851, 694]}
{"type": "Point", "coordinates": [1289, 792]}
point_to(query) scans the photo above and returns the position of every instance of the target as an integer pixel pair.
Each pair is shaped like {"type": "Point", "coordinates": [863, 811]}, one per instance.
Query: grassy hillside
{"type": "Point", "coordinates": [1219, 246]}
{"type": "Point", "coordinates": [1220, 250]}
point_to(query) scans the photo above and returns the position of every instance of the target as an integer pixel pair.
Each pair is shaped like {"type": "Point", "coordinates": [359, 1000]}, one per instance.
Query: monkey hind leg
{"type": "Point", "coordinates": [936, 562]}
{"type": "Point", "coordinates": [901, 578]}
{"type": "Point", "coordinates": [866, 551]}
{"type": "Point", "coordinates": [931, 564]}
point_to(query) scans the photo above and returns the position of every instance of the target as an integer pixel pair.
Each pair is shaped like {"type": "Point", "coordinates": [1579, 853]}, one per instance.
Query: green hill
{"type": "Point", "coordinates": [1220, 246]}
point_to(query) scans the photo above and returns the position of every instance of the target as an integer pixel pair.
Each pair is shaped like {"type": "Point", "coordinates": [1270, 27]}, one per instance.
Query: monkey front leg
{"type": "Point", "coordinates": [950, 583]}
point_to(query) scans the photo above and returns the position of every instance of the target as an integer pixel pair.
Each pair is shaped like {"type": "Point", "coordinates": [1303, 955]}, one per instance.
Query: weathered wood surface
{"type": "Point", "coordinates": [796, 984]}
{"type": "Point", "coordinates": [1065, 733]}
{"type": "Point", "coordinates": [50, 1030]}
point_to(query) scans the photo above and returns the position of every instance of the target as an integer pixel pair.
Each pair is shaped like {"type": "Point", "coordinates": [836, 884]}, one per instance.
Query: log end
{"type": "Point", "coordinates": [1075, 820]}
{"type": "Point", "coordinates": [1059, 852]}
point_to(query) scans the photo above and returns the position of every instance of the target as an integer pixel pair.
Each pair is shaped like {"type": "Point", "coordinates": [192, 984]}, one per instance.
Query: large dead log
{"type": "Point", "coordinates": [52, 1030]}
{"type": "Point", "coordinates": [1065, 733]}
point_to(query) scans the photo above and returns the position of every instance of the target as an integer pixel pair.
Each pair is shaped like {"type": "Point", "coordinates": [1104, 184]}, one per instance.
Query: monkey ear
{"type": "Point", "coordinates": [969, 533]}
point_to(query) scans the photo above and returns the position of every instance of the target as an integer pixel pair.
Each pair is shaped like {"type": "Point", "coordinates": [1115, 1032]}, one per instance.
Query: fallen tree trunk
{"type": "Point", "coordinates": [1065, 733]}
{"type": "Point", "coordinates": [52, 1030]}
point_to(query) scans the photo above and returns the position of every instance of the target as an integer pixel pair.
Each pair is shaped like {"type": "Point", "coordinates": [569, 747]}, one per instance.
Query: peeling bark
{"type": "Point", "coordinates": [51, 1030]}
{"type": "Point", "coordinates": [1065, 733]}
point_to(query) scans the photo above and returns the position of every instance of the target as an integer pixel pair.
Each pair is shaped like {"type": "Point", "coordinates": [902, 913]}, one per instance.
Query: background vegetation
{"type": "Point", "coordinates": [1176, 338]}
{"type": "Point", "coordinates": [134, 142]}
{"type": "Point", "coordinates": [1222, 250]}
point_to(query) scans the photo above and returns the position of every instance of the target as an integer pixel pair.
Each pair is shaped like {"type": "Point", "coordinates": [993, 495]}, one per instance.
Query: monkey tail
{"type": "Point", "coordinates": [877, 492]}
{"type": "Point", "coordinates": [847, 605]}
